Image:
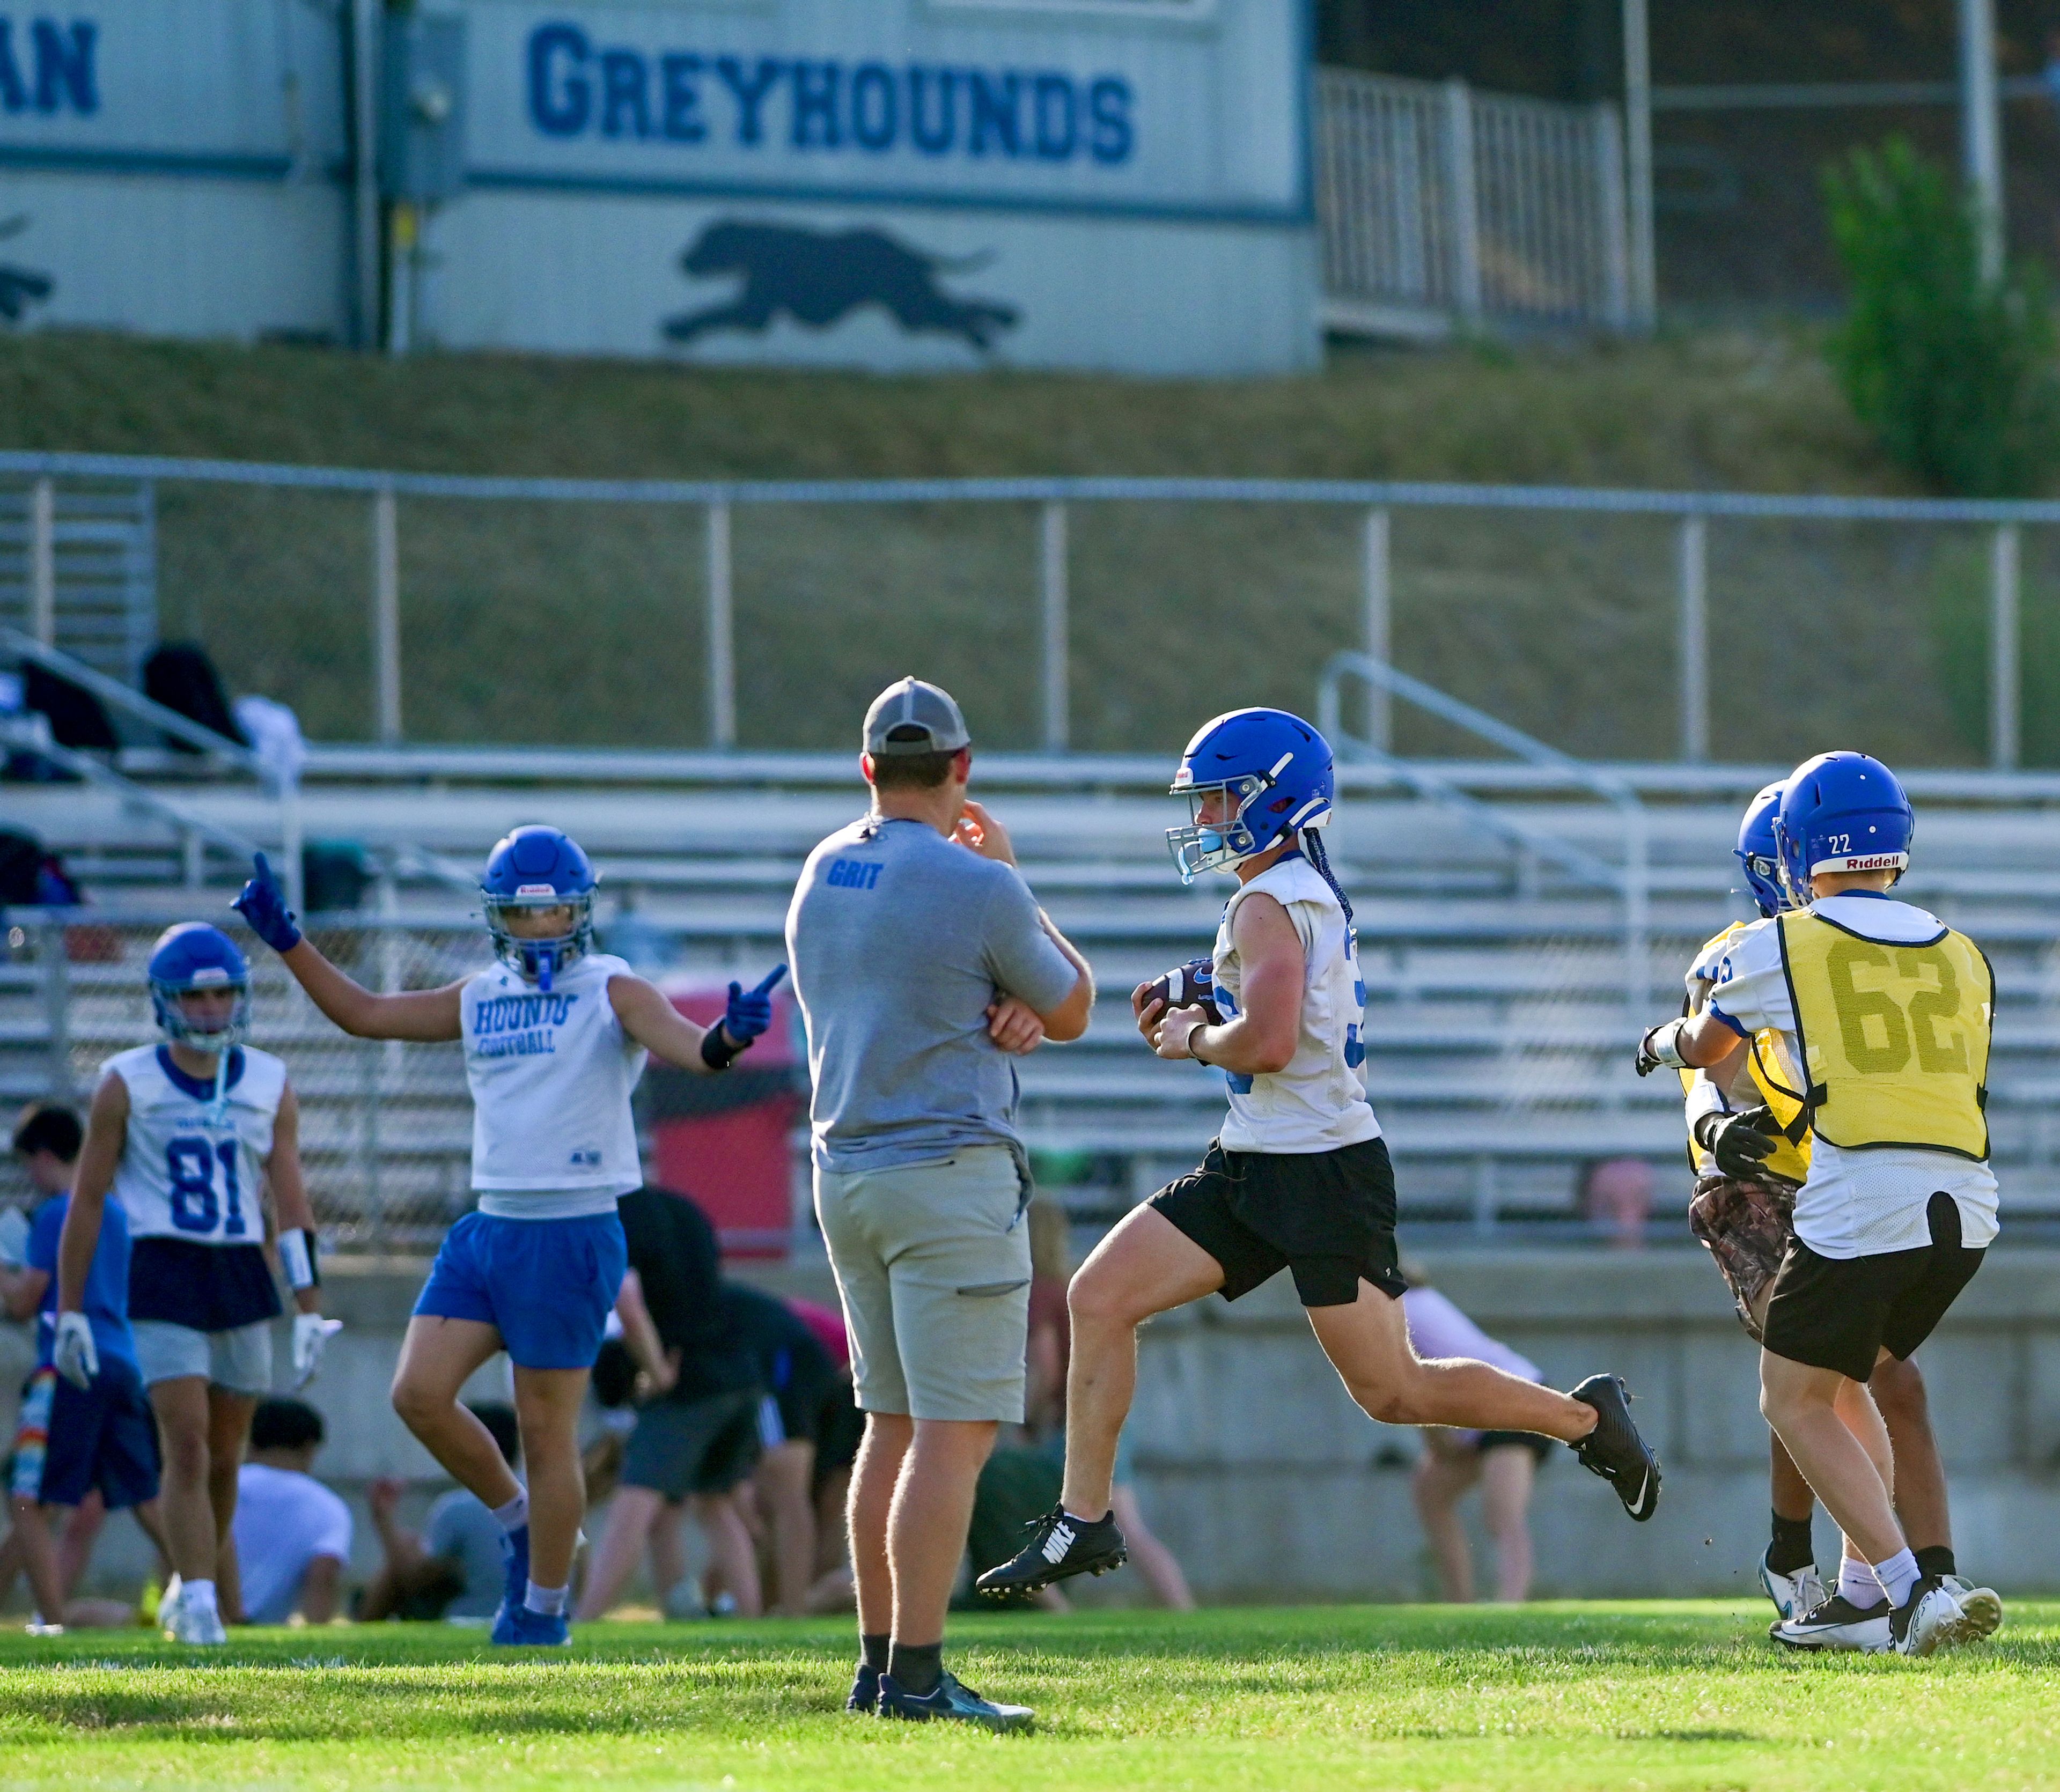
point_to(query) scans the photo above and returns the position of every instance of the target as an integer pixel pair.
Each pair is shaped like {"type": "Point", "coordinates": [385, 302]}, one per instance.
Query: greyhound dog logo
{"type": "Point", "coordinates": [819, 277]}
{"type": "Point", "coordinates": [19, 288]}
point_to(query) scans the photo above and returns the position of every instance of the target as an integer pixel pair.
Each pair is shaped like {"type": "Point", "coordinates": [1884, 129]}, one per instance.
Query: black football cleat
{"type": "Point", "coordinates": [864, 1697]}
{"type": "Point", "coordinates": [1614, 1451]}
{"type": "Point", "coordinates": [951, 1702]}
{"type": "Point", "coordinates": [1060, 1548]}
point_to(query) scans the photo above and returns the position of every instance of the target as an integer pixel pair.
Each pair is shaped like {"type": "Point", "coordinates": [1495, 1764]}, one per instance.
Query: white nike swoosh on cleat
{"type": "Point", "coordinates": [1056, 1545]}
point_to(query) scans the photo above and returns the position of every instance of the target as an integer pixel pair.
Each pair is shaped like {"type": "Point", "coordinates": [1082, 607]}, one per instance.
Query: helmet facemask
{"type": "Point", "coordinates": [167, 1001]}
{"type": "Point", "coordinates": [539, 959]}
{"type": "Point", "coordinates": [1216, 845]}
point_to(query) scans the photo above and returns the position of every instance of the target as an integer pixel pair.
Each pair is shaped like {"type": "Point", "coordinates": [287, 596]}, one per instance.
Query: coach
{"type": "Point", "coordinates": [921, 960]}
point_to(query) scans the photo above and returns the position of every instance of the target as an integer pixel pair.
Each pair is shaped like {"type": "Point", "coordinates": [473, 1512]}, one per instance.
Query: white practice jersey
{"type": "Point", "coordinates": [185, 1173]}
{"type": "Point", "coordinates": [1318, 1103]}
{"type": "Point", "coordinates": [551, 1076]}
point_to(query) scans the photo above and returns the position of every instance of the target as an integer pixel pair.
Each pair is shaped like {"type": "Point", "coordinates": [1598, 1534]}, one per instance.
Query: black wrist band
{"type": "Point", "coordinates": [717, 1052]}
{"type": "Point", "coordinates": [1194, 1054]}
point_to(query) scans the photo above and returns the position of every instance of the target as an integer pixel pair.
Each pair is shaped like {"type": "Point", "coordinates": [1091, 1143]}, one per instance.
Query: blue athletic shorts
{"type": "Point", "coordinates": [68, 1440]}
{"type": "Point", "coordinates": [546, 1285]}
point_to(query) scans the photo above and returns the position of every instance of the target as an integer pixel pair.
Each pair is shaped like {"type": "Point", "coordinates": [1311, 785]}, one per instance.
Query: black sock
{"type": "Point", "coordinates": [1792, 1550]}
{"type": "Point", "coordinates": [916, 1666]}
{"type": "Point", "coordinates": [1937, 1559]}
{"type": "Point", "coordinates": [872, 1650]}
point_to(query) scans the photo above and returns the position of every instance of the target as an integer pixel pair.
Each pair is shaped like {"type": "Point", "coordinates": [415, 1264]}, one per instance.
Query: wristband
{"type": "Point", "coordinates": [718, 1051]}
{"type": "Point", "coordinates": [1196, 1055]}
{"type": "Point", "coordinates": [297, 1252]}
{"type": "Point", "coordinates": [1662, 1046]}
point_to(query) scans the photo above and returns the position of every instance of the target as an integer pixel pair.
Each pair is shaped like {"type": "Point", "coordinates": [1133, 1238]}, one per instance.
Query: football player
{"type": "Point", "coordinates": [1299, 1177]}
{"type": "Point", "coordinates": [555, 1035]}
{"type": "Point", "coordinates": [1891, 1012]}
{"type": "Point", "coordinates": [190, 1133]}
{"type": "Point", "coordinates": [1749, 1145]}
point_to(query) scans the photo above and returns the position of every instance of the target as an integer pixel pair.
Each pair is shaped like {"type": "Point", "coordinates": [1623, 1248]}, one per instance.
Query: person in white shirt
{"type": "Point", "coordinates": [1887, 1014]}
{"type": "Point", "coordinates": [292, 1534]}
{"type": "Point", "coordinates": [1299, 1179]}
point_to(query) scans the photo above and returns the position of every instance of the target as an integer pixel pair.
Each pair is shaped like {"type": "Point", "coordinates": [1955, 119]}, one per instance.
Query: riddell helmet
{"type": "Point", "coordinates": [1275, 771]}
{"type": "Point", "coordinates": [190, 956]}
{"type": "Point", "coordinates": [537, 867]}
{"type": "Point", "coordinates": [1842, 812]}
{"type": "Point", "coordinates": [1757, 851]}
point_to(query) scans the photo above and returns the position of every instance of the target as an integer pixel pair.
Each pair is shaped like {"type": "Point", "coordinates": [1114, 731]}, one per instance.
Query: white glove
{"type": "Point", "coordinates": [74, 1356]}
{"type": "Point", "coordinates": [311, 1331]}
{"type": "Point", "coordinates": [14, 1238]}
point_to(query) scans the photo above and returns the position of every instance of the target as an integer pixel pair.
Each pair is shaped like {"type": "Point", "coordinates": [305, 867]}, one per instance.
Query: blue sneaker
{"type": "Point", "coordinates": [864, 1697]}
{"type": "Point", "coordinates": [524, 1629]}
{"type": "Point", "coordinates": [515, 1581]}
{"type": "Point", "coordinates": [951, 1701]}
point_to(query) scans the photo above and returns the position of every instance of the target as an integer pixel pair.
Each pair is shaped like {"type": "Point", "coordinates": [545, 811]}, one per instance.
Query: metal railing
{"type": "Point", "coordinates": [78, 569]}
{"type": "Point", "coordinates": [1696, 515]}
{"type": "Point", "coordinates": [1631, 881]}
{"type": "Point", "coordinates": [1436, 203]}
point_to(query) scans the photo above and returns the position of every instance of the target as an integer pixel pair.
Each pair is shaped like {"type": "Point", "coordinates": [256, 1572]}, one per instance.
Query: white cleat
{"type": "Point", "coordinates": [184, 1622]}
{"type": "Point", "coordinates": [1837, 1624]}
{"type": "Point", "coordinates": [1932, 1619]}
{"type": "Point", "coordinates": [1792, 1594]}
{"type": "Point", "coordinates": [37, 1627]}
{"type": "Point", "coordinates": [1980, 1611]}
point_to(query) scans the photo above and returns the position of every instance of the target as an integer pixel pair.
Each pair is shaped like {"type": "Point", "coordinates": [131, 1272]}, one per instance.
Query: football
{"type": "Point", "coordinates": [1185, 986]}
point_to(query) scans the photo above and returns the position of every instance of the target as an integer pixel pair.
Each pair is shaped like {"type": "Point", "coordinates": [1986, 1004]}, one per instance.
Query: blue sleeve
{"type": "Point", "coordinates": [1019, 954]}
{"type": "Point", "coordinates": [46, 1227]}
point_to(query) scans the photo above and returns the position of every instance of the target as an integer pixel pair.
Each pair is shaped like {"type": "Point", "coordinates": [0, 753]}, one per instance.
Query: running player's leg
{"type": "Point", "coordinates": [1808, 1407]}
{"type": "Point", "coordinates": [1508, 1472]}
{"type": "Point", "coordinates": [1145, 1266]}
{"type": "Point", "coordinates": [1443, 1475]}
{"type": "Point", "coordinates": [437, 1356]}
{"type": "Point", "coordinates": [1368, 1345]}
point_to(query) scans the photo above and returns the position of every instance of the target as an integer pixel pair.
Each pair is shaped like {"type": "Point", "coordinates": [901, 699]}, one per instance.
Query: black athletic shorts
{"type": "Point", "coordinates": [1327, 1216]}
{"type": "Point", "coordinates": [1540, 1446]}
{"type": "Point", "coordinates": [701, 1447]}
{"type": "Point", "coordinates": [1839, 1313]}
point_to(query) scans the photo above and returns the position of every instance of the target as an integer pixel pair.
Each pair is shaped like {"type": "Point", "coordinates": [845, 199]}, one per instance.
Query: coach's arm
{"type": "Point", "coordinates": [979, 831]}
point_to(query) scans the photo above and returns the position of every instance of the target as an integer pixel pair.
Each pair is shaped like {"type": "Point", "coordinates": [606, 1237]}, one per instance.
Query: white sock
{"type": "Point", "coordinates": [1897, 1575]}
{"type": "Point", "coordinates": [199, 1593]}
{"type": "Point", "coordinates": [516, 1513]}
{"type": "Point", "coordinates": [550, 1601]}
{"type": "Point", "coordinates": [1857, 1582]}
{"type": "Point", "coordinates": [1074, 1517]}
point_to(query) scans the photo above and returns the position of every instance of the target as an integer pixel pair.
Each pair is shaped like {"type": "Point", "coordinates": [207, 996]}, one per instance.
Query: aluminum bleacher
{"type": "Point", "coordinates": [1499, 1018]}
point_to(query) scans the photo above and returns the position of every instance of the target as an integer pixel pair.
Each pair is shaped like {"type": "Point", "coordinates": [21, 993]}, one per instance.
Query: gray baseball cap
{"type": "Point", "coordinates": [913, 705]}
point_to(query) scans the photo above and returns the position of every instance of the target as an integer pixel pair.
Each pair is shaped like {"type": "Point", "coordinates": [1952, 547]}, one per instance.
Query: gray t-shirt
{"type": "Point", "coordinates": [461, 1531]}
{"type": "Point", "coordinates": [900, 940]}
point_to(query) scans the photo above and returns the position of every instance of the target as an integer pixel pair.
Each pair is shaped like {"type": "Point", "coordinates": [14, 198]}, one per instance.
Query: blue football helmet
{"type": "Point", "coordinates": [190, 956]}
{"type": "Point", "coordinates": [1759, 853]}
{"type": "Point", "coordinates": [537, 867]}
{"type": "Point", "coordinates": [1842, 812]}
{"type": "Point", "coordinates": [1275, 774]}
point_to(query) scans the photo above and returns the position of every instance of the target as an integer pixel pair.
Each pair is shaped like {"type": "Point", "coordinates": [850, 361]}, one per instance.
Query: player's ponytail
{"type": "Point", "coordinates": [1312, 850]}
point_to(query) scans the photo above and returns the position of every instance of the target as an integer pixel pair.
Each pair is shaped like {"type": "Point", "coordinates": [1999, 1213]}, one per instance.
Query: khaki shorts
{"type": "Point", "coordinates": [239, 1360]}
{"type": "Point", "coordinates": [932, 1261]}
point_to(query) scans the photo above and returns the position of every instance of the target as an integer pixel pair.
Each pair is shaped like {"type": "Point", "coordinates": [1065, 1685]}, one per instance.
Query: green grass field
{"type": "Point", "coordinates": [1658, 1695]}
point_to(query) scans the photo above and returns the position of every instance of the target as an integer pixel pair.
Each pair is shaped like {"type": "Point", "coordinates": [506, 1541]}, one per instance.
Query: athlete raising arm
{"type": "Point", "coordinates": [554, 1036]}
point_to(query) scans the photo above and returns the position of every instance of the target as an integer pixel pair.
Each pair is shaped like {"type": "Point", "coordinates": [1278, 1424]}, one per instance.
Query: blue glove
{"type": "Point", "coordinates": [263, 904]}
{"type": "Point", "coordinates": [750, 1012]}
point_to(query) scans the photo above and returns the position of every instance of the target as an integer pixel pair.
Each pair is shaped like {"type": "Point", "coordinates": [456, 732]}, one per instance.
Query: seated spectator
{"type": "Point", "coordinates": [1615, 1198]}
{"type": "Point", "coordinates": [292, 1534]}
{"type": "Point", "coordinates": [1503, 1462]}
{"type": "Point", "coordinates": [454, 1569]}
{"type": "Point", "coordinates": [92, 1450]}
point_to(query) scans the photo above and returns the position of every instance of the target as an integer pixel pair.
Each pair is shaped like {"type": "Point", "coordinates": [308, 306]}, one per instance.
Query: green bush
{"type": "Point", "coordinates": [1952, 373]}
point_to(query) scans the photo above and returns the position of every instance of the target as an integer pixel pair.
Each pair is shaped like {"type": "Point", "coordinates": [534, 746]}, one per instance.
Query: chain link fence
{"type": "Point", "coordinates": [385, 1127]}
